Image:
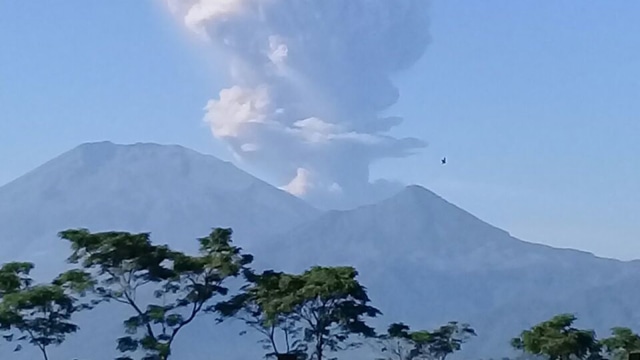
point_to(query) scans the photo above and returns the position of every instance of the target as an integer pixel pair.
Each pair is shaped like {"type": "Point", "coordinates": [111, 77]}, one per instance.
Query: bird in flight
{"type": "Point", "coordinates": [444, 160]}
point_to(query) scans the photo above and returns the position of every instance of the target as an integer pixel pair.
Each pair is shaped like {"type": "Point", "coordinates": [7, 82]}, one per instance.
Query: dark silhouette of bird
{"type": "Point", "coordinates": [444, 160]}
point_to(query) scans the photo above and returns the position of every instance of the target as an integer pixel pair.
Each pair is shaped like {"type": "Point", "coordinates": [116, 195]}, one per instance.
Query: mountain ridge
{"type": "Point", "coordinates": [436, 214]}
{"type": "Point", "coordinates": [424, 260]}
{"type": "Point", "coordinates": [142, 187]}
{"type": "Point", "coordinates": [415, 252]}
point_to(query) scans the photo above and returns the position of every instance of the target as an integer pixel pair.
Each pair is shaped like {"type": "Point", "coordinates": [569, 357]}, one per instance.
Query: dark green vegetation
{"type": "Point", "coordinates": [557, 339]}
{"type": "Point", "coordinates": [315, 315]}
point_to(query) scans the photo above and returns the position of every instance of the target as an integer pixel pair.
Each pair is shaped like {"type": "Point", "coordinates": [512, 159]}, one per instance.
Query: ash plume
{"type": "Point", "coordinates": [311, 79]}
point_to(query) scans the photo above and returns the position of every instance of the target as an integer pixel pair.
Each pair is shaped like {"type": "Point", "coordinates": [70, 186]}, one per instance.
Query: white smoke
{"type": "Point", "coordinates": [311, 78]}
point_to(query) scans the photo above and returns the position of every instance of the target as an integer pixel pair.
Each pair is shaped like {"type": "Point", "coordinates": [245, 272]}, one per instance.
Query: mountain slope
{"type": "Point", "coordinates": [174, 192]}
{"type": "Point", "coordinates": [426, 262]}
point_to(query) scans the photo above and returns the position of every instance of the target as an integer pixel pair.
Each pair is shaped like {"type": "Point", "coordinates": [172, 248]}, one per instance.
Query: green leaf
{"type": "Point", "coordinates": [116, 266]}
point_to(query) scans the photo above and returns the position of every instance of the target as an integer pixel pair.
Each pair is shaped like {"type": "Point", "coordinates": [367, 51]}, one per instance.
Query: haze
{"type": "Point", "coordinates": [317, 130]}
{"type": "Point", "coordinates": [535, 104]}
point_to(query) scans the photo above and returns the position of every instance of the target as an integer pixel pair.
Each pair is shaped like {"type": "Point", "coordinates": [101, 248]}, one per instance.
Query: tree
{"type": "Point", "coordinates": [556, 339]}
{"type": "Point", "coordinates": [621, 342]}
{"type": "Point", "coordinates": [324, 305]}
{"type": "Point", "coordinates": [13, 277]}
{"type": "Point", "coordinates": [252, 306]}
{"type": "Point", "coordinates": [446, 340]}
{"type": "Point", "coordinates": [40, 314]}
{"type": "Point", "coordinates": [332, 304]}
{"type": "Point", "coordinates": [396, 344]}
{"type": "Point", "coordinates": [402, 344]}
{"type": "Point", "coordinates": [127, 267]}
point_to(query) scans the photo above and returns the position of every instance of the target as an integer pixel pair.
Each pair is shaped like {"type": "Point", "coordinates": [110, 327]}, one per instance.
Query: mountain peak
{"type": "Point", "coordinates": [96, 144]}
{"type": "Point", "coordinates": [417, 192]}
{"type": "Point", "coordinates": [166, 189]}
{"type": "Point", "coordinates": [113, 161]}
{"type": "Point", "coordinates": [141, 166]}
{"type": "Point", "coordinates": [106, 144]}
{"type": "Point", "coordinates": [415, 198]}
{"type": "Point", "coordinates": [106, 149]}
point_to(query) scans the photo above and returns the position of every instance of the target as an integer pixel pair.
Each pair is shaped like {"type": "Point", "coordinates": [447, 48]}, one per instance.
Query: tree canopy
{"type": "Point", "coordinates": [127, 268]}
{"type": "Point", "coordinates": [38, 314]}
{"type": "Point", "coordinates": [400, 343]}
{"type": "Point", "coordinates": [312, 315]}
{"type": "Point", "coordinates": [317, 311]}
{"type": "Point", "coordinates": [557, 339]}
{"type": "Point", "coordinates": [621, 343]}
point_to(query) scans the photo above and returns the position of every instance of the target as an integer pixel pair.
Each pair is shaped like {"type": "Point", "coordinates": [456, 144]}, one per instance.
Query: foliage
{"type": "Point", "coordinates": [252, 306]}
{"type": "Point", "coordinates": [556, 339]}
{"type": "Point", "coordinates": [14, 276]}
{"type": "Point", "coordinates": [38, 314]}
{"type": "Point", "coordinates": [402, 344]}
{"type": "Point", "coordinates": [621, 342]}
{"type": "Point", "coordinates": [123, 264]}
{"type": "Point", "coordinates": [307, 315]}
{"type": "Point", "coordinates": [319, 309]}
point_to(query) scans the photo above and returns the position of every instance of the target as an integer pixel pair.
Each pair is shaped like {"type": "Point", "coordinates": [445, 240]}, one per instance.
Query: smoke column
{"type": "Point", "coordinates": [310, 81]}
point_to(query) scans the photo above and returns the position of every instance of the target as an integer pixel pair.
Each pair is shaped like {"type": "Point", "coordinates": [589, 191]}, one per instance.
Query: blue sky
{"type": "Point", "coordinates": [535, 104]}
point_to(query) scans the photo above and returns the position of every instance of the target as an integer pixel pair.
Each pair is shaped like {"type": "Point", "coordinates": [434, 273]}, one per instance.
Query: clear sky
{"type": "Point", "coordinates": [536, 104]}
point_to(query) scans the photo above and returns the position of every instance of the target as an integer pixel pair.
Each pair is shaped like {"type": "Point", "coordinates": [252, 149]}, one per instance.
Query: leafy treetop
{"type": "Point", "coordinates": [323, 305]}
{"type": "Point", "coordinates": [121, 264]}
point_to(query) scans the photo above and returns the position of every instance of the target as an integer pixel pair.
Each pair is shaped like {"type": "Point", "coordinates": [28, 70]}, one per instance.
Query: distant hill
{"type": "Point", "coordinates": [427, 261]}
{"type": "Point", "coordinates": [424, 260]}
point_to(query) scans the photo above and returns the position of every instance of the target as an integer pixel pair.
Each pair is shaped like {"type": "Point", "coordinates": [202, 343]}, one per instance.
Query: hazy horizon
{"type": "Point", "coordinates": [535, 105]}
